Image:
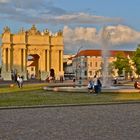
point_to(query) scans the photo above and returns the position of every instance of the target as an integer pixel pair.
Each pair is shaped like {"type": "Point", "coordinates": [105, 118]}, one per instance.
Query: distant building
{"type": "Point", "coordinates": [67, 63]}
{"type": "Point", "coordinates": [88, 63]}
{"type": "Point", "coordinates": [68, 68]}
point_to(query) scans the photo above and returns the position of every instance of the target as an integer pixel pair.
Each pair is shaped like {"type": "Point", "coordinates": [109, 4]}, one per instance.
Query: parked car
{"type": "Point", "coordinates": [120, 78]}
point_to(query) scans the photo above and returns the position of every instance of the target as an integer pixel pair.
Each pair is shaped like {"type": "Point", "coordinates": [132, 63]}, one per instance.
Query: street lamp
{"type": "Point", "coordinates": [77, 55]}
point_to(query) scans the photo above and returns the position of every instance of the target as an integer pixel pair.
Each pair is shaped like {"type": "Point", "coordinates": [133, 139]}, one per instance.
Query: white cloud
{"type": "Point", "coordinates": [4, 1]}
{"type": "Point", "coordinates": [86, 18]}
{"type": "Point", "coordinates": [79, 34]}
{"type": "Point", "coordinates": [117, 37]}
{"type": "Point", "coordinates": [122, 34]}
{"type": "Point", "coordinates": [45, 11]}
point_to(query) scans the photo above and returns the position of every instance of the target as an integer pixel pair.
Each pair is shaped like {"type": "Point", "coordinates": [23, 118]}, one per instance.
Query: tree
{"type": "Point", "coordinates": [122, 63]}
{"type": "Point", "coordinates": [136, 60]}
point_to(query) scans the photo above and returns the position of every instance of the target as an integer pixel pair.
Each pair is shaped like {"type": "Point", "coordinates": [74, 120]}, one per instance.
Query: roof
{"type": "Point", "coordinates": [32, 64]}
{"type": "Point", "coordinates": [99, 52]}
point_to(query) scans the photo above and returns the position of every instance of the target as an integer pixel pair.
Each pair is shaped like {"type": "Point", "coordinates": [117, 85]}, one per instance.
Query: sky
{"type": "Point", "coordinates": [86, 24]}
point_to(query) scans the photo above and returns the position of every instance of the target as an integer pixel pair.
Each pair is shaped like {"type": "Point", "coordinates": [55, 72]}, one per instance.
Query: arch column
{"type": "Point", "coordinates": [23, 68]}
{"type": "Point", "coordinates": [9, 60]}
{"type": "Point", "coordinates": [43, 64]}
{"type": "Point", "coordinates": [48, 60]}
{"type": "Point", "coordinates": [6, 70]}
{"type": "Point", "coordinates": [24, 60]}
{"type": "Point", "coordinates": [61, 61]}
{"type": "Point", "coordinates": [4, 59]}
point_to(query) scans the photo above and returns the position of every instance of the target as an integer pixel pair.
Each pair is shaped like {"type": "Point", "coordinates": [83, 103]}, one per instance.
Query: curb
{"type": "Point", "coordinates": [68, 105]}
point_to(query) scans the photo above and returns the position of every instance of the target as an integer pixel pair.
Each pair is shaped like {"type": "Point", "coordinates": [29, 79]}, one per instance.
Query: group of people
{"type": "Point", "coordinates": [94, 86]}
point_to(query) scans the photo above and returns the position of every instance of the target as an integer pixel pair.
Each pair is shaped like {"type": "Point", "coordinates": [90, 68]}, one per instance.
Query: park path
{"type": "Point", "coordinates": [95, 122]}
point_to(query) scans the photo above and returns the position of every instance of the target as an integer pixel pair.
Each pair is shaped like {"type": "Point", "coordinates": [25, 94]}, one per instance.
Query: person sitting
{"type": "Point", "coordinates": [95, 80]}
{"type": "Point", "coordinates": [90, 86]}
{"type": "Point", "coordinates": [99, 85]}
{"type": "Point", "coordinates": [137, 85]}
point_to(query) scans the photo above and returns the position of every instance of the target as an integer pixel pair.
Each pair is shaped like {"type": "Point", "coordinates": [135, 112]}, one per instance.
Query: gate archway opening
{"type": "Point", "coordinates": [33, 66]}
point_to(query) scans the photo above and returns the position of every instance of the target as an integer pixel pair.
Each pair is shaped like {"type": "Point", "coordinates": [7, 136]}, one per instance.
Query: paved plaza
{"type": "Point", "coordinates": [95, 122]}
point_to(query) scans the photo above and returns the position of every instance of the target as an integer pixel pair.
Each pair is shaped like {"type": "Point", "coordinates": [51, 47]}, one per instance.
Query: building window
{"type": "Point", "coordinates": [90, 73]}
{"type": "Point", "coordinates": [96, 64]}
{"type": "Point", "coordinates": [85, 73]}
{"type": "Point", "coordinates": [85, 64]}
{"type": "Point", "coordinates": [90, 64]}
{"type": "Point", "coordinates": [32, 68]}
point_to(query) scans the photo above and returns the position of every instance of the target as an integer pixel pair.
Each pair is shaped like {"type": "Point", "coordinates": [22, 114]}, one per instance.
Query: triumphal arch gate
{"type": "Point", "coordinates": [45, 49]}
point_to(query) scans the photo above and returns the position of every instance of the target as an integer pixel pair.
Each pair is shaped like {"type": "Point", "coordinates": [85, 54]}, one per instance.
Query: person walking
{"type": "Point", "coordinates": [20, 81]}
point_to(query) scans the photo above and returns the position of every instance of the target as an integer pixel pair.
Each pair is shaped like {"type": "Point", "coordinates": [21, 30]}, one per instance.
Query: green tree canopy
{"type": "Point", "coordinates": [136, 60]}
{"type": "Point", "coordinates": [122, 63]}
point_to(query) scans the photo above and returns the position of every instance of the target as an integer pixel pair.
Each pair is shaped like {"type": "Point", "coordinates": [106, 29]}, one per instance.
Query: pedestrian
{"type": "Point", "coordinates": [99, 85]}
{"type": "Point", "coordinates": [17, 80]}
{"type": "Point", "coordinates": [61, 79]}
{"type": "Point", "coordinates": [73, 82]}
{"type": "Point", "coordinates": [90, 86]}
{"type": "Point", "coordinates": [20, 81]}
{"type": "Point", "coordinates": [80, 81]}
{"type": "Point", "coordinates": [96, 88]}
{"type": "Point", "coordinates": [115, 80]}
{"type": "Point", "coordinates": [132, 78]}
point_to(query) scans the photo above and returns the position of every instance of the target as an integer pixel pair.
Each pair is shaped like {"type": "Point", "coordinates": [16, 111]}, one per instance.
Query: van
{"type": "Point", "coordinates": [121, 77]}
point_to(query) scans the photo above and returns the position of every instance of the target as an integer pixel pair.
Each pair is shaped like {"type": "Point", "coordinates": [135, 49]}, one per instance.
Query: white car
{"type": "Point", "coordinates": [121, 78]}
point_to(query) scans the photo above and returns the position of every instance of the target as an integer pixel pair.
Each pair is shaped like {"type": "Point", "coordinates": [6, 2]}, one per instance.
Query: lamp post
{"type": "Point", "coordinates": [77, 55]}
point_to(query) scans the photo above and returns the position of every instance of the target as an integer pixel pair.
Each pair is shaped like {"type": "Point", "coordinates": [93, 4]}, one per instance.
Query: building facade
{"type": "Point", "coordinates": [88, 63]}
{"type": "Point", "coordinates": [46, 49]}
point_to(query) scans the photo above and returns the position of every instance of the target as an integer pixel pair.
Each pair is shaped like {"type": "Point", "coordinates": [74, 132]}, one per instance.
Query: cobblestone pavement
{"type": "Point", "coordinates": [97, 122]}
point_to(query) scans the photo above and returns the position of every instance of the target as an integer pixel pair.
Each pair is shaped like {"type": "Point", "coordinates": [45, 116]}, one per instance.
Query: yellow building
{"type": "Point", "coordinates": [46, 49]}
{"type": "Point", "coordinates": [88, 63]}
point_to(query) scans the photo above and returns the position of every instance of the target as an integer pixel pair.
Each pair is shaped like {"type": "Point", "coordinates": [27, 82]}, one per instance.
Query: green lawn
{"type": "Point", "coordinates": [35, 95]}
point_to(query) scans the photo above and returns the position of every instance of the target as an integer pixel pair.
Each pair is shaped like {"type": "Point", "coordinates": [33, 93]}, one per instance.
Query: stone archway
{"type": "Point", "coordinates": [47, 48]}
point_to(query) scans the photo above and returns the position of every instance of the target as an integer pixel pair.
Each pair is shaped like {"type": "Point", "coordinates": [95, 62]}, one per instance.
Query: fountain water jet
{"type": "Point", "coordinates": [105, 46]}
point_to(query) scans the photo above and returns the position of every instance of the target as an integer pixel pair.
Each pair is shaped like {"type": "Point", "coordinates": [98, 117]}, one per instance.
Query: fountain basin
{"type": "Point", "coordinates": [84, 89]}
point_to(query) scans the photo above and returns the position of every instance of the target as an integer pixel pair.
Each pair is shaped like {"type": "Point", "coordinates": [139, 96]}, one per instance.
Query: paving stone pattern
{"type": "Point", "coordinates": [95, 122]}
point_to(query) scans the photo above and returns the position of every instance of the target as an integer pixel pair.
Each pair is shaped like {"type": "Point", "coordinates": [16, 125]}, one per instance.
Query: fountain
{"type": "Point", "coordinates": [105, 39]}
{"type": "Point", "coordinates": [105, 47]}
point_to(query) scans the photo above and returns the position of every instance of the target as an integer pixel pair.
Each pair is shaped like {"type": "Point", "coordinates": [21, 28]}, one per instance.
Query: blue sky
{"type": "Point", "coordinates": [127, 10]}
{"type": "Point", "coordinates": [70, 15]}
{"type": "Point", "coordinates": [17, 13]}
